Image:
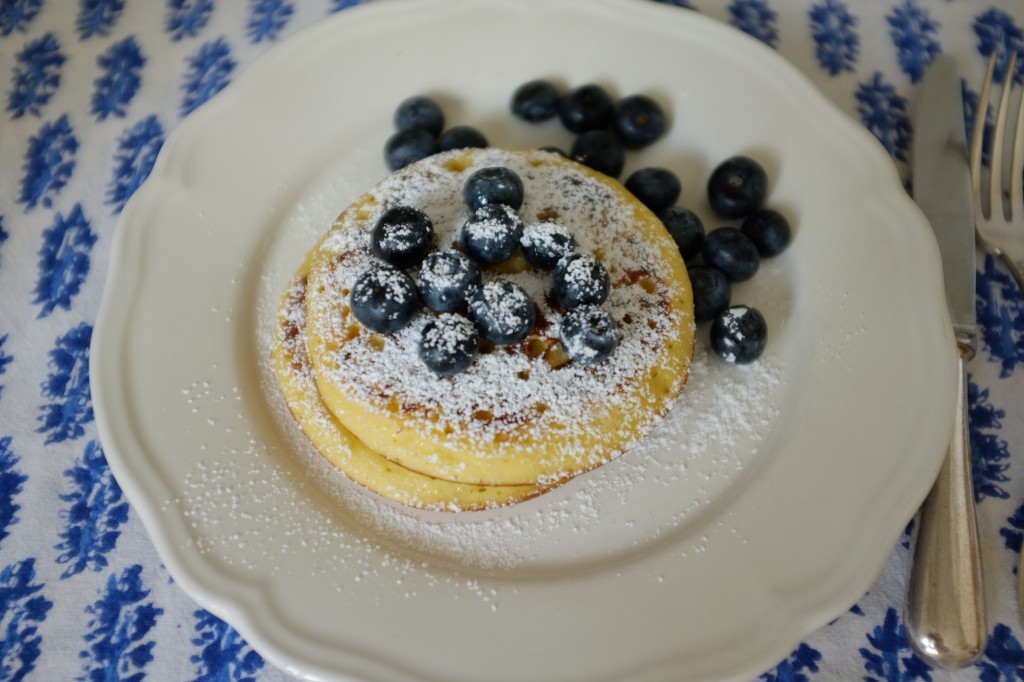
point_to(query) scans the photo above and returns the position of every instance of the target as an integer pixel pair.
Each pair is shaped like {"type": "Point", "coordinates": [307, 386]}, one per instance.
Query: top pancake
{"type": "Point", "coordinates": [344, 450]}
{"type": "Point", "coordinates": [521, 414]}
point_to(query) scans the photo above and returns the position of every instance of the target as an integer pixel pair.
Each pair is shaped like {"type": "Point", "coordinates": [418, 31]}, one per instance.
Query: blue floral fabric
{"type": "Point", "coordinates": [89, 91]}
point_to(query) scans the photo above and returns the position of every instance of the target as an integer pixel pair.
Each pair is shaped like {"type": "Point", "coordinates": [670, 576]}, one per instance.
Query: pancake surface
{"type": "Point", "coordinates": [345, 451]}
{"type": "Point", "coordinates": [522, 414]}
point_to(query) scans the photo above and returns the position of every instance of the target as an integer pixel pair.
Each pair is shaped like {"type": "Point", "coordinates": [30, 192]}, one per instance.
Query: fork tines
{"type": "Point", "coordinates": [999, 190]}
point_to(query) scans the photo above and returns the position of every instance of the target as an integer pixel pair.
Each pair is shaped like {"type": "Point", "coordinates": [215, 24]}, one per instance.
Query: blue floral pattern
{"type": "Point", "coordinates": [23, 608]}
{"type": "Point", "coordinates": [186, 18]}
{"type": "Point", "coordinates": [757, 18]}
{"type": "Point", "coordinates": [119, 642]}
{"type": "Point", "coordinates": [836, 42]}
{"type": "Point", "coordinates": [999, 34]}
{"type": "Point", "coordinates": [134, 159]}
{"type": "Point", "coordinates": [49, 162]}
{"type": "Point", "coordinates": [991, 454]}
{"type": "Point", "coordinates": [122, 75]}
{"type": "Point", "coordinates": [4, 236]}
{"type": "Point", "coordinates": [889, 657]}
{"type": "Point", "coordinates": [97, 17]}
{"type": "Point", "coordinates": [16, 15]}
{"type": "Point", "coordinates": [64, 260]}
{"type": "Point", "coordinates": [12, 482]}
{"type": "Point", "coordinates": [1013, 531]}
{"type": "Point", "coordinates": [67, 387]}
{"type": "Point", "coordinates": [209, 71]}
{"type": "Point", "coordinates": [94, 514]}
{"type": "Point", "coordinates": [268, 19]}
{"type": "Point", "coordinates": [36, 76]}
{"type": "Point", "coordinates": [1004, 657]}
{"type": "Point", "coordinates": [913, 32]}
{"type": "Point", "coordinates": [885, 113]}
{"type": "Point", "coordinates": [91, 93]}
{"type": "Point", "coordinates": [799, 667]}
{"type": "Point", "coordinates": [1000, 317]}
{"type": "Point", "coordinates": [222, 654]}
{"type": "Point", "coordinates": [5, 359]}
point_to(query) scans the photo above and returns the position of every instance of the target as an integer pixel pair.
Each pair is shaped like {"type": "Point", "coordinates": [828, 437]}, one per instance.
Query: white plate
{"type": "Point", "coordinates": [679, 559]}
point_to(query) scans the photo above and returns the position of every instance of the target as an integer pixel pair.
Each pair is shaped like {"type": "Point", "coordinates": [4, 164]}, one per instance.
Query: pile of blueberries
{"type": "Point", "coordinates": [386, 297]}
{"type": "Point", "coordinates": [736, 191]}
{"type": "Point", "coordinates": [604, 129]}
{"type": "Point", "coordinates": [420, 132]}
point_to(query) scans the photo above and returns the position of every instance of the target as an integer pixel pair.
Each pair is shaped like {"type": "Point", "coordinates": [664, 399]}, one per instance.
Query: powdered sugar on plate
{"type": "Point", "coordinates": [694, 460]}
{"type": "Point", "coordinates": [688, 462]}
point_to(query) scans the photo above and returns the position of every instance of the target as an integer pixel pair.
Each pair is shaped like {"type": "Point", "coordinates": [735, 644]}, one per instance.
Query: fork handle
{"type": "Point", "coordinates": [945, 602]}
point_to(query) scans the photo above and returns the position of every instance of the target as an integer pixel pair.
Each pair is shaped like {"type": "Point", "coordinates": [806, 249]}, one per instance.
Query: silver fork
{"type": "Point", "coordinates": [998, 216]}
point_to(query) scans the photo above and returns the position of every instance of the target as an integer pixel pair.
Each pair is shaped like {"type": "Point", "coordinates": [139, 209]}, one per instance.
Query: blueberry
{"type": "Point", "coordinates": [448, 344]}
{"type": "Point", "coordinates": [402, 236]}
{"type": "Point", "coordinates": [535, 101]}
{"type": "Point", "coordinates": [588, 334]}
{"type": "Point", "coordinates": [711, 292]}
{"type": "Point", "coordinates": [503, 311]}
{"type": "Point", "coordinates": [580, 279]}
{"type": "Point", "coordinates": [408, 146]}
{"type": "Point", "coordinates": [588, 107]}
{"type": "Point", "coordinates": [769, 230]}
{"type": "Point", "coordinates": [420, 112]}
{"type": "Point", "coordinates": [638, 121]}
{"type": "Point", "coordinates": [493, 185]}
{"type": "Point", "coordinates": [492, 233]}
{"type": "Point", "coordinates": [729, 250]}
{"type": "Point", "coordinates": [447, 279]}
{"type": "Point", "coordinates": [656, 188]}
{"type": "Point", "coordinates": [461, 137]}
{"type": "Point", "coordinates": [600, 150]}
{"type": "Point", "coordinates": [384, 299]}
{"type": "Point", "coordinates": [686, 230]}
{"type": "Point", "coordinates": [737, 187]}
{"type": "Point", "coordinates": [545, 243]}
{"type": "Point", "coordinates": [739, 334]}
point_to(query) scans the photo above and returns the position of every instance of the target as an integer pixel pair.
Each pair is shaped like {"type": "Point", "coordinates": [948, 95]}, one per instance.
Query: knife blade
{"type": "Point", "coordinates": [942, 187]}
{"type": "Point", "coordinates": [945, 597]}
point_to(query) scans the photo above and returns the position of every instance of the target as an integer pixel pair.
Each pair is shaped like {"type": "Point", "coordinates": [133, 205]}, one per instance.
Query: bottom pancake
{"type": "Point", "coordinates": [346, 452]}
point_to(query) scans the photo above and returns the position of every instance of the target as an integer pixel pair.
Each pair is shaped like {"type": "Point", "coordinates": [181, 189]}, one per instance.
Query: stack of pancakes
{"type": "Point", "coordinates": [523, 418]}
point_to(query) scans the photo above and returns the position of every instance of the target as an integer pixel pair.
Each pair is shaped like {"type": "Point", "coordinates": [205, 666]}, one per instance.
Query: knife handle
{"type": "Point", "coordinates": [945, 601]}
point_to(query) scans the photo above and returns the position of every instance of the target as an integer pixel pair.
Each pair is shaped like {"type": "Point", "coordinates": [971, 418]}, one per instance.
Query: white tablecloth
{"type": "Point", "coordinates": [89, 90]}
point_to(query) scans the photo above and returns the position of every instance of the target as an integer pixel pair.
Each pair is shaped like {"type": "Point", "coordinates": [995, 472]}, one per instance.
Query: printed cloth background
{"type": "Point", "coordinates": [90, 89]}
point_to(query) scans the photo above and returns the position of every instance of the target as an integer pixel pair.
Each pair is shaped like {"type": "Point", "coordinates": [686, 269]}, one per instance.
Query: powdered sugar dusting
{"type": "Point", "coordinates": [449, 333]}
{"type": "Point", "coordinates": [449, 270]}
{"type": "Point", "coordinates": [492, 225]}
{"type": "Point", "coordinates": [583, 274]}
{"type": "Point", "coordinates": [601, 226]}
{"type": "Point", "coordinates": [693, 458]}
{"type": "Point", "coordinates": [403, 231]}
{"type": "Point", "coordinates": [345, 535]}
{"type": "Point", "coordinates": [383, 282]}
{"type": "Point", "coordinates": [507, 306]}
{"type": "Point", "coordinates": [550, 238]}
{"type": "Point", "coordinates": [712, 434]}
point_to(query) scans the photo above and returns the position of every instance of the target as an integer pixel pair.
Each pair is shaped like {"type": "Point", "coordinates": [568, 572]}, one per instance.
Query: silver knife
{"type": "Point", "coordinates": [945, 600]}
